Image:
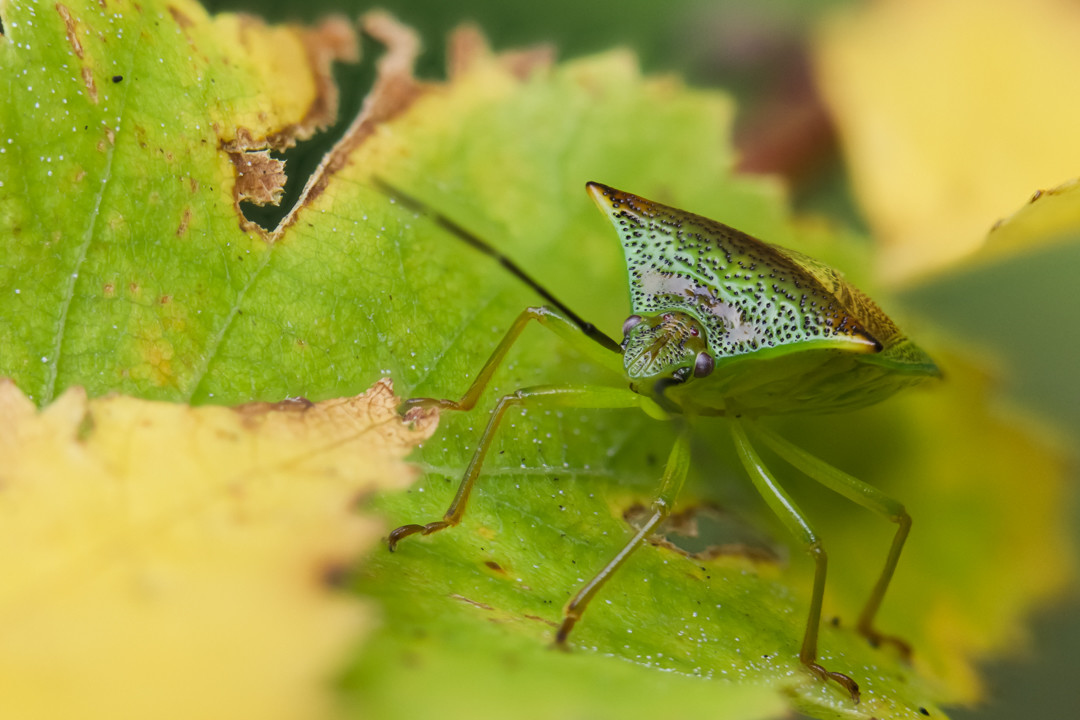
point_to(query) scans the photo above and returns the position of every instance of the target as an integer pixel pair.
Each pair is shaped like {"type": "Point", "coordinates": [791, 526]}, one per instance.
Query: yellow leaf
{"type": "Point", "coordinates": [163, 561]}
{"type": "Point", "coordinates": [951, 112]}
{"type": "Point", "coordinates": [1050, 215]}
{"type": "Point", "coordinates": [290, 63]}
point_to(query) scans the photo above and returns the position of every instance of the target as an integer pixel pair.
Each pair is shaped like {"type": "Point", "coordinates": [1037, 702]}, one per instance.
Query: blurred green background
{"type": "Point", "coordinates": [757, 52]}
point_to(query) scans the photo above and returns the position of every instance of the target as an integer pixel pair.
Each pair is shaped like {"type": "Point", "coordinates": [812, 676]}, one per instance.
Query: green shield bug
{"type": "Point", "coordinates": [721, 324]}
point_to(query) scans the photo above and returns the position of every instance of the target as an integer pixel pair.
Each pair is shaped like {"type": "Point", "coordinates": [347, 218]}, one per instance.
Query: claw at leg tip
{"type": "Point", "coordinates": [839, 678]}
{"type": "Point", "coordinates": [397, 534]}
{"type": "Point", "coordinates": [848, 684]}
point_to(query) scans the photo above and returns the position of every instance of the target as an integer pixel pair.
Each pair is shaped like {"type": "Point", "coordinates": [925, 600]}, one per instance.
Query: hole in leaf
{"type": "Point", "coordinates": [300, 161]}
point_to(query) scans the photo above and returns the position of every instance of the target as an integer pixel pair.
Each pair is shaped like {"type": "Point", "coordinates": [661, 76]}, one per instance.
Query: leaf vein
{"type": "Point", "coordinates": [214, 341]}
{"type": "Point", "coordinates": [53, 366]}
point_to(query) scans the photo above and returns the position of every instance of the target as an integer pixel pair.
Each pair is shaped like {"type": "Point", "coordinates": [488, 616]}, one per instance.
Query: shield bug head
{"type": "Point", "coordinates": [665, 346]}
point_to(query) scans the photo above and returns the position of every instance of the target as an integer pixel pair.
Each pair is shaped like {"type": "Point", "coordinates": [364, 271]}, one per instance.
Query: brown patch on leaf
{"type": "Point", "coordinates": [69, 25]}
{"type": "Point", "coordinates": [474, 603]}
{"type": "Point", "coordinates": [468, 47]}
{"type": "Point", "coordinates": [184, 24]}
{"type": "Point", "coordinates": [1059, 190]}
{"type": "Point", "coordinates": [524, 63]}
{"type": "Point", "coordinates": [185, 220]}
{"type": "Point", "coordinates": [91, 88]}
{"type": "Point", "coordinates": [494, 566]}
{"type": "Point", "coordinates": [180, 18]}
{"type": "Point", "coordinates": [288, 405]}
{"type": "Point", "coordinates": [243, 141]}
{"type": "Point", "coordinates": [336, 574]}
{"type": "Point", "coordinates": [754, 553]}
{"type": "Point", "coordinates": [685, 524]}
{"type": "Point", "coordinates": [394, 92]}
{"type": "Point", "coordinates": [375, 410]}
{"type": "Point", "coordinates": [260, 179]}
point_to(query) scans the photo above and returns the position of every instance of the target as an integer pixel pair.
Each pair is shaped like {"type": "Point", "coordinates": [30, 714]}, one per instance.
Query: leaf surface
{"type": "Point", "coordinates": [178, 562]}
{"type": "Point", "coordinates": [154, 284]}
{"type": "Point", "coordinates": [1016, 296]}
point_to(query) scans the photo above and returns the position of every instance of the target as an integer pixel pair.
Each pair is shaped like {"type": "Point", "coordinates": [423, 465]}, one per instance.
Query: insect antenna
{"type": "Point", "coordinates": [483, 246]}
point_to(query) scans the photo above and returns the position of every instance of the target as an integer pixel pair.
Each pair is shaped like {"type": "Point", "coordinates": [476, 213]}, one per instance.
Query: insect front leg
{"type": "Point", "coordinates": [549, 318]}
{"type": "Point", "coordinates": [579, 396]}
{"type": "Point", "coordinates": [868, 497]}
{"type": "Point", "coordinates": [675, 471]}
{"type": "Point", "coordinates": [785, 508]}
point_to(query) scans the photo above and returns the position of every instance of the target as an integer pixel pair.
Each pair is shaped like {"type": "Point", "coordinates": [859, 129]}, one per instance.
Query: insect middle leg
{"type": "Point", "coordinates": [785, 508]}
{"type": "Point", "coordinates": [580, 396]}
{"type": "Point", "coordinates": [868, 497]}
{"type": "Point", "coordinates": [675, 471]}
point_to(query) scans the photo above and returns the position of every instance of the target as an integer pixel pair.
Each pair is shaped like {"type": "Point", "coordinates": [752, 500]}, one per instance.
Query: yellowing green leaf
{"type": "Point", "coordinates": [125, 253]}
{"type": "Point", "coordinates": [950, 113]}
{"type": "Point", "coordinates": [150, 282]}
{"type": "Point", "coordinates": [172, 562]}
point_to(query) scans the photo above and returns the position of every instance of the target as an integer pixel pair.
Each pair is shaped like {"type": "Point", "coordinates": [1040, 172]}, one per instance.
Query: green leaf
{"type": "Point", "coordinates": [136, 272]}
{"type": "Point", "coordinates": [126, 264]}
{"type": "Point", "coordinates": [1016, 296]}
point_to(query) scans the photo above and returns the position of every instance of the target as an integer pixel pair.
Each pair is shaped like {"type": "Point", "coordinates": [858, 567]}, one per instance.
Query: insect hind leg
{"type": "Point", "coordinates": [868, 497]}
{"type": "Point", "coordinates": [785, 508]}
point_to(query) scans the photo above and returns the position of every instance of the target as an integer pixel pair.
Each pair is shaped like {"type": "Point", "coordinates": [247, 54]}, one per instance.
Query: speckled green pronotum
{"type": "Point", "coordinates": [721, 324]}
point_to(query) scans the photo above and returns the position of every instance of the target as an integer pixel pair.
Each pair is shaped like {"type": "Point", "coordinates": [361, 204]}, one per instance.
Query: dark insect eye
{"type": "Point", "coordinates": [703, 365]}
{"type": "Point", "coordinates": [630, 324]}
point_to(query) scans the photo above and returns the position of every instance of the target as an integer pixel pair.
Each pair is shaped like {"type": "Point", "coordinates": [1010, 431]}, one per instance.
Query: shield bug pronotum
{"type": "Point", "coordinates": [721, 324]}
